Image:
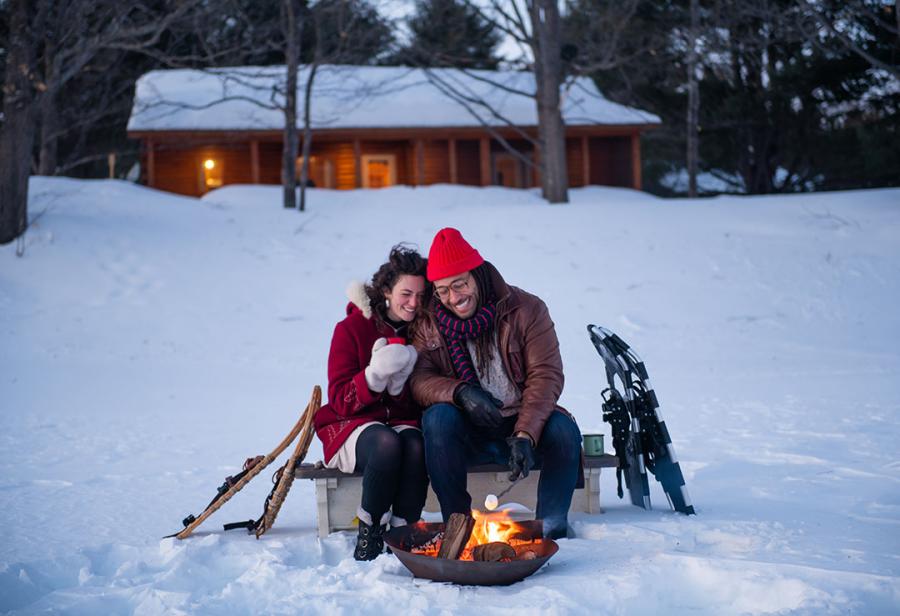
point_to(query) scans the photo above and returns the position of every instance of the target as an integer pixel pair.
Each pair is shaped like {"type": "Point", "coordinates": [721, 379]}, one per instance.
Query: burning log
{"type": "Point", "coordinates": [456, 535]}
{"type": "Point", "coordinates": [493, 552]}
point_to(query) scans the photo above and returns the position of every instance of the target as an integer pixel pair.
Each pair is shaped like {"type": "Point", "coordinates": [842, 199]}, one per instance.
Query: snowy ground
{"type": "Point", "coordinates": [149, 343]}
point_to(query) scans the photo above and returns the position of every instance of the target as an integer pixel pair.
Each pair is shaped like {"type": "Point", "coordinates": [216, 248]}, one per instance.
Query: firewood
{"type": "Point", "coordinates": [493, 552]}
{"type": "Point", "coordinates": [456, 535]}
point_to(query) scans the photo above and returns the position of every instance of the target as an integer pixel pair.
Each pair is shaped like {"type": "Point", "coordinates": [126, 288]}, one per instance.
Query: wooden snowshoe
{"type": "Point", "coordinates": [253, 467]}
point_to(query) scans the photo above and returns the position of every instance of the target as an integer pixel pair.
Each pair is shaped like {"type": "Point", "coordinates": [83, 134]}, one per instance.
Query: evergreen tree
{"type": "Point", "coordinates": [862, 128]}
{"type": "Point", "coordinates": [449, 33]}
{"type": "Point", "coordinates": [4, 43]}
{"type": "Point", "coordinates": [224, 33]}
{"type": "Point", "coordinates": [778, 96]}
{"type": "Point", "coordinates": [784, 105]}
{"type": "Point", "coordinates": [346, 32]}
{"type": "Point", "coordinates": [637, 62]}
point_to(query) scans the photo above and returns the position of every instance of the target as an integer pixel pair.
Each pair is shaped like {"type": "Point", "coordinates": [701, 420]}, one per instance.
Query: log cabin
{"type": "Point", "coordinates": [373, 127]}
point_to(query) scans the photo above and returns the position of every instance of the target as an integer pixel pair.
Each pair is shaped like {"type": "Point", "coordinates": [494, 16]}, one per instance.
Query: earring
{"type": "Point", "coordinates": [387, 303]}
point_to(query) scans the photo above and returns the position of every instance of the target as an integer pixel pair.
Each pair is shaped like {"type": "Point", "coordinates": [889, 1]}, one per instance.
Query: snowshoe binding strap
{"type": "Point", "coordinates": [229, 482]}
{"type": "Point", "coordinates": [615, 414]}
{"type": "Point", "coordinates": [252, 525]}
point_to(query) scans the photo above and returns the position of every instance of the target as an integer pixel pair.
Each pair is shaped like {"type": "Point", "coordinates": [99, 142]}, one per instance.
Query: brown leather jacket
{"type": "Point", "coordinates": [528, 348]}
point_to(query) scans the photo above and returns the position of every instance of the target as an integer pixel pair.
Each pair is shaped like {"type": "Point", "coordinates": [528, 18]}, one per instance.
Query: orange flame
{"type": "Point", "coordinates": [492, 526]}
{"type": "Point", "coordinates": [489, 527]}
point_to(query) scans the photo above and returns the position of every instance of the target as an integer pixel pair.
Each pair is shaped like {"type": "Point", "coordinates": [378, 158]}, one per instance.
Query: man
{"type": "Point", "coordinates": [490, 374]}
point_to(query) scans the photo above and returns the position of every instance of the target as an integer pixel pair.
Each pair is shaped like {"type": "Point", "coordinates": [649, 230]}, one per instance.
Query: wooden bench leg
{"type": "Point", "coordinates": [592, 490]}
{"type": "Point", "coordinates": [324, 521]}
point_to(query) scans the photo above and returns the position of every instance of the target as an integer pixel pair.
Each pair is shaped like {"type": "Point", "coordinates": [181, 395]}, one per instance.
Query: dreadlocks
{"type": "Point", "coordinates": [485, 295]}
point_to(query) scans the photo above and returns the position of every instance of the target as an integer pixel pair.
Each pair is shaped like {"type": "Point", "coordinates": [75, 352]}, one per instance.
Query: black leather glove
{"type": "Point", "coordinates": [483, 408]}
{"type": "Point", "coordinates": [521, 456]}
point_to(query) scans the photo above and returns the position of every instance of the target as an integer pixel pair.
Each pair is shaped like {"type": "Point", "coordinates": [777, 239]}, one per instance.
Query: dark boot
{"type": "Point", "coordinates": [369, 541]}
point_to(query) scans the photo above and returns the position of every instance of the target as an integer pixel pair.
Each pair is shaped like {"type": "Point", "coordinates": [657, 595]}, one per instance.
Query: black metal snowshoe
{"type": "Point", "coordinates": [640, 437]}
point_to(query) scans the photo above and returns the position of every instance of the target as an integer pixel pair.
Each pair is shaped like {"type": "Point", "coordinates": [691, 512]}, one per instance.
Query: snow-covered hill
{"type": "Point", "coordinates": [149, 343]}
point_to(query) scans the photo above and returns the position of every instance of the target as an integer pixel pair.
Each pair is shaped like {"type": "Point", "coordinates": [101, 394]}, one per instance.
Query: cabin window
{"type": "Point", "coordinates": [213, 173]}
{"type": "Point", "coordinates": [379, 170]}
{"type": "Point", "coordinates": [511, 171]}
{"type": "Point", "coordinates": [321, 171]}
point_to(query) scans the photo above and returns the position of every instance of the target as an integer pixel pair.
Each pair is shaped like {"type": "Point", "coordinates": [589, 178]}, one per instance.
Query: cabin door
{"type": "Point", "coordinates": [321, 171]}
{"type": "Point", "coordinates": [379, 170]}
{"type": "Point", "coordinates": [507, 171]}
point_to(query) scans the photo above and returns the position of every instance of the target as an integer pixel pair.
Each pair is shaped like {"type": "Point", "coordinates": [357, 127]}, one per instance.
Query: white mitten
{"type": "Point", "coordinates": [396, 382]}
{"type": "Point", "coordinates": [387, 359]}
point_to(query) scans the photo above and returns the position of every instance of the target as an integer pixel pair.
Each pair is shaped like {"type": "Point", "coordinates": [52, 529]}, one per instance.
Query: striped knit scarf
{"type": "Point", "coordinates": [457, 331]}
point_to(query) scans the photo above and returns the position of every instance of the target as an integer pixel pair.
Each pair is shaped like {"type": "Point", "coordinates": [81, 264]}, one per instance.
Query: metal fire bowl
{"type": "Point", "coordinates": [468, 572]}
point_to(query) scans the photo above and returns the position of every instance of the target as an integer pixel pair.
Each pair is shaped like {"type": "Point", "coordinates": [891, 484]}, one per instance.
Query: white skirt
{"type": "Point", "coordinates": [345, 458]}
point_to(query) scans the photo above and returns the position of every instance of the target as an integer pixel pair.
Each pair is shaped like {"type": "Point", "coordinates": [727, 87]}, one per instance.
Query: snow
{"type": "Point", "coordinates": [241, 98]}
{"type": "Point", "coordinates": [678, 180]}
{"type": "Point", "coordinates": [873, 102]}
{"type": "Point", "coordinates": [150, 342]}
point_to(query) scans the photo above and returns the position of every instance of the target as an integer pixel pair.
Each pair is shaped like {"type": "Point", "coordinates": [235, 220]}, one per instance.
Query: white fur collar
{"type": "Point", "coordinates": [356, 292]}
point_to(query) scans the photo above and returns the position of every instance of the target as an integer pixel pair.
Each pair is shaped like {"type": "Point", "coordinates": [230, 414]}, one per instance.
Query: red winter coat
{"type": "Point", "coordinates": [350, 402]}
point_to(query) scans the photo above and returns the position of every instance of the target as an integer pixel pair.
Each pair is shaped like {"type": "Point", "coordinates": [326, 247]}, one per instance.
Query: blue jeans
{"type": "Point", "coordinates": [453, 443]}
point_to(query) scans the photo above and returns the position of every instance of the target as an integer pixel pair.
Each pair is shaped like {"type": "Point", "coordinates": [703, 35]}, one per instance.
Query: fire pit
{"type": "Point", "coordinates": [417, 547]}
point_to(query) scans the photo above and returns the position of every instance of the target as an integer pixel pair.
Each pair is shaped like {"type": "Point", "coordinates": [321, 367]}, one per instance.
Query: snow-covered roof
{"type": "Point", "coordinates": [248, 98]}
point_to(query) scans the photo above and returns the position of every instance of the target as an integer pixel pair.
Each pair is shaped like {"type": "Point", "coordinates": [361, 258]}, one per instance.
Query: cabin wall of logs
{"type": "Point", "coordinates": [195, 162]}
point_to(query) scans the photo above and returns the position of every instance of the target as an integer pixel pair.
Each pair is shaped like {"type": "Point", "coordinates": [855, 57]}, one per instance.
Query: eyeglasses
{"type": "Point", "coordinates": [457, 286]}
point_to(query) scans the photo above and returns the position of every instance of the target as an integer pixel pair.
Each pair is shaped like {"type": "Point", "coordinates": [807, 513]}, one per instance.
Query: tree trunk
{"type": "Point", "coordinates": [292, 63]}
{"type": "Point", "coordinates": [48, 118]}
{"type": "Point", "coordinates": [307, 133]}
{"type": "Point", "coordinates": [548, 78]}
{"type": "Point", "coordinates": [758, 144]}
{"type": "Point", "coordinates": [48, 161]}
{"type": "Point", "coordinates": [693, 108]}
{"type": "Point", "coordinates": [17, 133]}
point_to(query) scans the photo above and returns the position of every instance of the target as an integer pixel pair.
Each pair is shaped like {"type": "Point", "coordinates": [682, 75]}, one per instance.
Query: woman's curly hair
{"type": "Point", "coordinates": [403, 260]}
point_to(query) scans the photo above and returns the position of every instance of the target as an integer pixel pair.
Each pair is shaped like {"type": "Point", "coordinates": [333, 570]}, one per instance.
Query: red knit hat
{"type": "Point", "coordinates": [450, 255]}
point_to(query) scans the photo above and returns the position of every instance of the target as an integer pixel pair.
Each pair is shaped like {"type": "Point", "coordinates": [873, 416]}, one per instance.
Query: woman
{"type": "Point", "coordinates": [371, 424]}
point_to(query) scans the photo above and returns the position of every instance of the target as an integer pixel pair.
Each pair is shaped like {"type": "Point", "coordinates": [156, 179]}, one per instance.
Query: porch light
{"type": "Point", "coordinates": [212, 174]}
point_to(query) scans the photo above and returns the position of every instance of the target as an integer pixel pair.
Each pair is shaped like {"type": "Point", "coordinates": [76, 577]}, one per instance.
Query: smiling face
{"type": "Point", "coordinates": [459, 294]}
{"type": "Point", "coordinates": [405, 298]}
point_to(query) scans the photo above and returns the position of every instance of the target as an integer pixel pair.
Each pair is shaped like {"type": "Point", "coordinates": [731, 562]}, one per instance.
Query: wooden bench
{"type": "Point", "coordinates": [338, 494]}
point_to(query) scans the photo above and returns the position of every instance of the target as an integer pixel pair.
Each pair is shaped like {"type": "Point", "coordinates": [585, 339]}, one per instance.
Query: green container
{"type": "Point", "coordinates": [593, 445]}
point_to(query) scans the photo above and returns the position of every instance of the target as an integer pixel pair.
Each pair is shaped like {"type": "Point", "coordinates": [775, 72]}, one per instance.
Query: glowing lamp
{"type": "Point", "coordinates": [209, 163]}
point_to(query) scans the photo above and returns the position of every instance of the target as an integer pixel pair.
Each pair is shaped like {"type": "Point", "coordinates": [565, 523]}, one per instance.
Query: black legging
{"type": "Point", "coordinates": [393, 467]}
